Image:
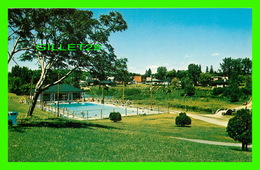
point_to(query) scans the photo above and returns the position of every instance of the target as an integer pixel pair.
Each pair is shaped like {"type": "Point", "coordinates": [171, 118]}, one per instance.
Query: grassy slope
{"type": "Point", "coordinates": [137, 138]}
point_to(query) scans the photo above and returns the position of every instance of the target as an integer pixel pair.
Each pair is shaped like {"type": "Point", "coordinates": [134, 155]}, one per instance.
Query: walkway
{"type": "Point", "coordinates": [211, 142]}
{"type": "Point", "coordinates": [206, 119]}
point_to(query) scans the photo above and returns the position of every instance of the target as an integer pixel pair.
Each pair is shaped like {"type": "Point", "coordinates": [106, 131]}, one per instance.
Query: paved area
{"type": "Point", "coordinates": [211, 142]}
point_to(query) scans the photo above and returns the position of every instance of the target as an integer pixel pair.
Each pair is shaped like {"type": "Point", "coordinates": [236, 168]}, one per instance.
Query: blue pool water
{"type": "Point", "coordinates": [92, 110]}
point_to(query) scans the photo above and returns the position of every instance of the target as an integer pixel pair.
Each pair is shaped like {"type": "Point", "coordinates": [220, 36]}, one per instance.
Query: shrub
{"type": "Point", "coordinates": [182, 120]}
{"type": "Point", "coordinates": [218, 91]}
{"type": "Point", "coordinates": [115, 116]}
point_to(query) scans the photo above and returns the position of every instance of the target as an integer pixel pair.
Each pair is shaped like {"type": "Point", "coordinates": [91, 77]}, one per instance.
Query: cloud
{"type": "Point", "coordinates": [215, 54]}
{"type": "Point", "coordinates": [153, 68]}
{"type": "Point", "coordinates": [187, 56]}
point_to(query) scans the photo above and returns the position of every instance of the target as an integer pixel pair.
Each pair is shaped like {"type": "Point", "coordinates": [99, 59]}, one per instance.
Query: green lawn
{"type": "Point", "coordinates": [45, 138]}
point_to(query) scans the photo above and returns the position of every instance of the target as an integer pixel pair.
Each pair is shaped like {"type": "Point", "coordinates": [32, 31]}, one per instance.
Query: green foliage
{"type": "Point", "coordinates": [65, 26]}
{"type": "Point", "coordinates": [204, 79]}
{"type": "Point", "coordinates": [234, 92]}
{"type": "Point", "coordinates": [234, 67]}
{"type": "Point", "coordinates": [148, 73]}
{"type": "Point", "coordinates": [240, 127]}
{"type": "Point", "coordinates": [171, 74]}
{"type": "Point", "coordinates": [194, 72]}
{"type": "Point", "coordinates": [182, 120]}
{"type": "Point", "coordinates": [161, 73]}
{"type": "Point", "coordinates": [115, 116]}
{"type": "Point", "coordinates": [187, 85]}
{"type": "Point", "coordinates": [217, 91]}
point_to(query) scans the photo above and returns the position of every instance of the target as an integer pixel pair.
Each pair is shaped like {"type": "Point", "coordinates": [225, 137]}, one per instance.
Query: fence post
{"type": "Point", "coordinates": [137, 110]}
{"type": "Point", "coordinates": [101, 114]}
{"type": "Point", "coordinates": [158, 109]}
{"type": "Point", "coordinates": [125, 111]}
{"type": "Point", "coordinates": [83, 114]}
{"type": "Point", "coordinates": [73, 114]}
{"type": "Point", "coordinates": [87, 115]}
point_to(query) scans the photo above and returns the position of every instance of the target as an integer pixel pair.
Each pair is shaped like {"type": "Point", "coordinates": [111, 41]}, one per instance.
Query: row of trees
{"type": "Point", "coordinates": [232, 68]}
{"type": "Point", "coordinates": [21, 80]}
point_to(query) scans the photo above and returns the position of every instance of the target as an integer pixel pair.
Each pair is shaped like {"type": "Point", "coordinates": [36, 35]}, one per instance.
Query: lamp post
{"type": "Point", "coordinates": [123, 94]}
{"type": "Point", "coordinates": [151, 97]}
{"type": "Point", "coordinates": [58, 96]}
{"type": "Point", "coordinates": [185, 102]}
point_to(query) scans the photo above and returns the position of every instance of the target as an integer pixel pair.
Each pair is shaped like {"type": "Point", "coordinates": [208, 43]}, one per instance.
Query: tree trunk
{"type": "Point", "coordinates": [33, 104]}
{"type": "Point", "coordinates": [244, 147]}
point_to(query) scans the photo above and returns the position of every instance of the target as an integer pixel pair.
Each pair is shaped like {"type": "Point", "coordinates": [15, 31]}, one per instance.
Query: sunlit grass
{"type": "Point", "coordinates": [143, 138]}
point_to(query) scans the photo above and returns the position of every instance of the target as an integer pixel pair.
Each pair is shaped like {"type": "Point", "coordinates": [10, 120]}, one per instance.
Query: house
{"type": "Point", "coordinates": [155, 81]}
{"type": "Point", "coordinates": [215, 78]}
{"type": "Point", "coordinates": [107, 83]}
{"type": "Point", "coordinates": [66, 93]}
{"type": "Point", "coordinates": [92, 82]}
{"type": "Point", "coordinates": [138, 79]}
{"type": "Point", "coordinates": [219, 81]}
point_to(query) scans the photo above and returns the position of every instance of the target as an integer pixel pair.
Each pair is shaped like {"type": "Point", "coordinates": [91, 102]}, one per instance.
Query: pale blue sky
{"type": "Point", "coordinates": [176, 38]}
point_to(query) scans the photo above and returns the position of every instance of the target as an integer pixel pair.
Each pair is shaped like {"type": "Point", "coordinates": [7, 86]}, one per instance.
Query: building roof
{"type": "Point", "coordinates": [63, 88]}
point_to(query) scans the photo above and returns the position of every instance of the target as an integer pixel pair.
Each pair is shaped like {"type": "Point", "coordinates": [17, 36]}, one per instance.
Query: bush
{"type": "Point", "coordinates": [182, 120]}
{"type": "Point", "coordinates": [218, 91]}
{"type": "Point", "coordinates": [115, 116]}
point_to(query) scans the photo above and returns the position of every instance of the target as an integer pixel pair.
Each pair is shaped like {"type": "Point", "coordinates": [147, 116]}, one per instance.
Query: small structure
{"type": "Point", "coordinates": [219, 81]}
{"type": "Point", "coordinates": [138, 79]}
{"type": "Point", "coordinates": [65, 91]}
{"type": "Point", "coordinates": [107, 83]}
{"type": "Point", "coordinates": [92, 82]}
{"type": "Point", "coordinates": [155, 81]}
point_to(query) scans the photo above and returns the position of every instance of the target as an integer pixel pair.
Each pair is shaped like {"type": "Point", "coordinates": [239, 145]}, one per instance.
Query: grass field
{"type": "Point", "coordinates": [45, 138]}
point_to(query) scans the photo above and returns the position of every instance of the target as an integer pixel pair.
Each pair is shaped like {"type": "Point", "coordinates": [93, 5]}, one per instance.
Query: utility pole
{"type": "Point", "coordinates": [123, 95]}
{"type": "Point", "coordinates": [151, 97]}
{"type": "Point", "coordinates": [185, 102]}
{"type": "Point", "coordinates": [102, 100]}
{"type": "Point", "coordinates": [58, 97]}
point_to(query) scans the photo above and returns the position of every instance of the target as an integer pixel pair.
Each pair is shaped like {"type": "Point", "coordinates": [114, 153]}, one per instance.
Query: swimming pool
{"type": "Point", "coordinates": [96, 111]}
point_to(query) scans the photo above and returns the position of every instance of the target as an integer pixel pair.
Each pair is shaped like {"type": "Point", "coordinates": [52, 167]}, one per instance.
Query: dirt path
{"type": "Point", "coordinates": [206, 119]}
{"type": "Point", "coordinates": [211, 118]}
{"type": "Point", "coordinates": [211, 142]}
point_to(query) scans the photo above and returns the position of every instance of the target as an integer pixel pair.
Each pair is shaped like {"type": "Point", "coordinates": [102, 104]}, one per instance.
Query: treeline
{"type": "Point", "coordinates": [22, 79]}
{"type": "Point", "coordinates": [234, 75]}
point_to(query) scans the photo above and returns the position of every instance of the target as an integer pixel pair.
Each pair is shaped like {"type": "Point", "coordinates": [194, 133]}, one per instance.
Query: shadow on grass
{"type": "Point", "coordinates": [240, 149]}
{"type": "Point", "coordinates": [56, 123]}
{"type": "Point", "coordinates": [183, 126]}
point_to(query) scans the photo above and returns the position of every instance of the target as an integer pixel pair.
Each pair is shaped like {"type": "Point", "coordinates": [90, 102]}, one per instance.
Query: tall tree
{"type": "Point", "coordinates": [68, 26]}
{"type": "Point", "coordinates": [121, 72]}
{"type": "Point", "coordinates": [211, 71]}
{"type": "Point", "coordinates": [148, 73]}
{"type": "Point", "coordinates": [246, 66]}
{"type": "Point", "coordinates": [226, 66]}
{"type": "Point", "coordinates": [171, 74]}
{"type": "Point", "coordinates": [207, 69]}
{"type": "Point", "coordinates": [161, 73]}
{"type": "Point", "coordinates": [194, 71]}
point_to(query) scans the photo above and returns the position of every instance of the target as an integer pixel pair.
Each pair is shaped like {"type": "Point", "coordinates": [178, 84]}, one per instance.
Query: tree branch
{"type": "Point", "coordinates": [61, 79]}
